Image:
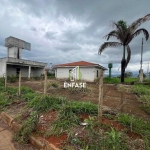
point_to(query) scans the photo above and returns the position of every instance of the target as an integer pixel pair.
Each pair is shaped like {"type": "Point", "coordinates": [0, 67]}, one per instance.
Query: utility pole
{"type": "Point", "coordinates": [141, 54]}
{"type": "Point", "coordinates": [141, 70]}
{"type": "Point", "coordinates": [148, 73]}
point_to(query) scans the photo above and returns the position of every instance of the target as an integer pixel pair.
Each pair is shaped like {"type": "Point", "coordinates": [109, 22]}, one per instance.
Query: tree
{"type": "Point", "coordinates": [128, 74]}
{"type": "Point", "coordinates": [124, 35]}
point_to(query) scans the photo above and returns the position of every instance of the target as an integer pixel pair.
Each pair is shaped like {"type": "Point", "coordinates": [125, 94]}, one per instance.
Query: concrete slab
{"type": "Point", "coordinates": [6, 140]}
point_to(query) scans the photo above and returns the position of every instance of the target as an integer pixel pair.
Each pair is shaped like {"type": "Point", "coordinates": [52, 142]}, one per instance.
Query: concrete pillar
{"type": "Point", "coordinates": [20, 53]}
{"type": "Point", "coordinates": [141, 76]}
{"type": "Point", "coordinates": [7, 52]}
{"type": "Point", "coordinates": [29, 72]}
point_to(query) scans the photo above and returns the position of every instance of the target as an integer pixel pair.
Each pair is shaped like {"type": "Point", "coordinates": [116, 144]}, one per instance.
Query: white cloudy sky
{"type": "Point", "coordinates": [62, 31]}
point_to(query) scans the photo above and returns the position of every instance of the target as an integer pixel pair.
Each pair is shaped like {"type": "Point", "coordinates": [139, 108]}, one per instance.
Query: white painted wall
{"type": "Point", "coordinates": [2, 68]}
{"type": "Point", "coordinates": [95, 75]}
{"type": "Point", "coordinates": [88, 73]}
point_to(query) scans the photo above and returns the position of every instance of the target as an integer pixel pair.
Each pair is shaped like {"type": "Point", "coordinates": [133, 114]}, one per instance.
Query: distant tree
{"type": "Point", "coordinates": [128, 74]}
{"type": "Point", "coordinates": [124, 35]}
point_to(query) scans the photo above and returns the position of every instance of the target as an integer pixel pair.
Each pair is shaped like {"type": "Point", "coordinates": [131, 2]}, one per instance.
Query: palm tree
{"type": "Point", "coordinates": [124, 35]}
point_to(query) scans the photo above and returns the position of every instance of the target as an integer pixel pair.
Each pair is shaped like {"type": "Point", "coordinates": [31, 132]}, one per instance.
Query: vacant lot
{"type": "Point", "coordinates": [116, 97]}
{"type": "Point", "coordinates": [73, 123]}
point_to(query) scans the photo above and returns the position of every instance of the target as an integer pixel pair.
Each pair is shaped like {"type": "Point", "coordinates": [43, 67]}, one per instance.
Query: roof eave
{"type": "Point", "coordinates": [99, 66]}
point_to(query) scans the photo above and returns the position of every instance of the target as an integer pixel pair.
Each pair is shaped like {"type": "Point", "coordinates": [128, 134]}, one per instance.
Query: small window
{"type": "Point", "coordinates": [97, 73]}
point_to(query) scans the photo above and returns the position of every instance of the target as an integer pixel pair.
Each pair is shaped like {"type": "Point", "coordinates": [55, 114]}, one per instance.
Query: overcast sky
{"type": "Point", "coordinates": [63, 31]}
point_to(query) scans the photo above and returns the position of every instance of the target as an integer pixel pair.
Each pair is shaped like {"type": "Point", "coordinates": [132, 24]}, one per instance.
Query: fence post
{"type": "Point", "coordinates": [6, 80]}
{"type": "Point", "coordinates": [45, 82]}
{"type": "Point", "coordinates": [19, 90]}
{"type": "Point", "coordinates": [100, 100]}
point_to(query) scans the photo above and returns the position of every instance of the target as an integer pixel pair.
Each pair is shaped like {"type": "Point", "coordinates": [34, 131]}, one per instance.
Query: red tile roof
{"type": "Point", "coordinates": [78, 63]}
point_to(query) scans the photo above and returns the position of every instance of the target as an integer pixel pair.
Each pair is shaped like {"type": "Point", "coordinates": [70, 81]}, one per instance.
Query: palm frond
{"type": "Point", "coordinates": [108, 44]}
{"type": "Point", "coordinates": [139, 31]}
{"type": "Point", "coordinates": [121, 31]}
{"type": "Point", "coordinates": [113, 33]}
{"type": "Point", "coordinates": [138, 22]}
{"type": "Point", "coordinates": [117, 26]}
{"type": "Point", "coordinates": [128, 56]}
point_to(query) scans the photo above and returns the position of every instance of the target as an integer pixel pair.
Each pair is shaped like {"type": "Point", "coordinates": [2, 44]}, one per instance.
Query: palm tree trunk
{"type": "Point", "coordinates": [123, 62]}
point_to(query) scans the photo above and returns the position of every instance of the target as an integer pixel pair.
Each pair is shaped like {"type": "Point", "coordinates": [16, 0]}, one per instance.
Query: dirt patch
{"type": "Point", "coordinates": [58, 141]}
{"type": "Point", "coordinates": [46, 119]}
{"type": "Point", "coordinates": [16, 108]}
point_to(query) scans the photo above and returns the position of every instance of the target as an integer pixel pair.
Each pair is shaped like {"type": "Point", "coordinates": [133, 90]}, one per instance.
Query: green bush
{"type": "Point", "coordinates": [28, 96]}
{"type": "Point", "coordinates": [2, 81]}
{"type": "Point", "coordinates": [12, 90]}
{"type": "Point", "coordinates": [26, 90]}
{"type": "Point", "coordinates": [54, 84]}
{"type": "Point", "coordinates": [12, 78]}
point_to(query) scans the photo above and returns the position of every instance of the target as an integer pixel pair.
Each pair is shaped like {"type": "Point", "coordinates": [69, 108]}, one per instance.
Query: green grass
{"type": "Point", "coordinates": [117, 80]}
{"type": "Point", "coordinates": [27, 128]}
{"type": "Point", "coordinates": [95, 138]}
{"type": "Point", "coordinates": [11, 94]}
{"type": "Point", "coordinates": [143, 91]}
{"type": "Point", "coordinates": [45, 103]}
{"type": "Point", "coordinates": [4, 101]}
{"type": "Point", "coordinates": [146, 80]}
{"type": "Point", "coordinates": [135, 124]}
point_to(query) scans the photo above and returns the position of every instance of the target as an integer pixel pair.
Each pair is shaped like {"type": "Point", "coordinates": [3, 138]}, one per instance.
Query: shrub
{"type": "Point", "coordinates": [54, 84]}
{"type": "Point", "coordinates": [12, 78]}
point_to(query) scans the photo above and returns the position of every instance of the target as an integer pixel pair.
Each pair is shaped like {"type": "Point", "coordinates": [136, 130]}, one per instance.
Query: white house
{"type": "Point", "coordinates": [13, 63]}
{"type": "Point", "coordinates": [89, 71]}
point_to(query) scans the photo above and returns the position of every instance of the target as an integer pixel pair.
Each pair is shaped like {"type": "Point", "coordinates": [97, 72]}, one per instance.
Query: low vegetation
{"type": "Point", "coordinates": [116, 80]}
{"type": "Point", "coordinates": [143, 92]}
{"type": "Point", "coordinates": [135, 124]}
{"type": "Point", "coordinates": [90, 136]}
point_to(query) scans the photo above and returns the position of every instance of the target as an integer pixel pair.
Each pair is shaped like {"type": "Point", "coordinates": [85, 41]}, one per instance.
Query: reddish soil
{"type": "Point", "coordinates": [83, 117]}
{"type": "Point", "coordinates": [114, 124]}
{"type": "Point", "coordinates": [120, 127]}
{"type": "Point", "coordinates": [58, 141]}
{"type": "Point", "coordinates": [46, 119]}
{"type": "Point", "coordinates": [44, 122]}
